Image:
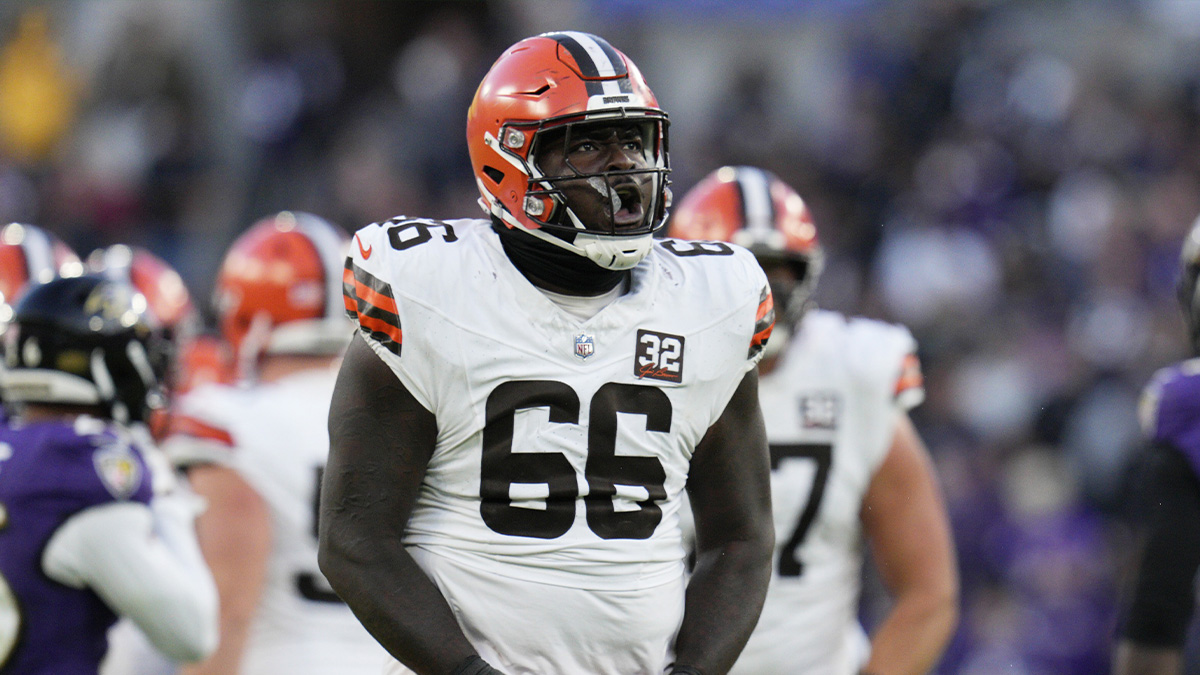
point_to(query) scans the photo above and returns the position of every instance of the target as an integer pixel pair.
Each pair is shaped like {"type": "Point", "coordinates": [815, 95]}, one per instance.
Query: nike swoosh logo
{"type": "Point", "coordinates": [366, 252]}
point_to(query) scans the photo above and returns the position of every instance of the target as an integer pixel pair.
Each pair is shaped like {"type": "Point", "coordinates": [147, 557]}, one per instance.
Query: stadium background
{"type": "Point", "coordinates": [1010, 179]}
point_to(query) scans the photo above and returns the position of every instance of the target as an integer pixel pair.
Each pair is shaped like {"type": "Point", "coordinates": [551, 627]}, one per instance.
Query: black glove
{"type": "Point", "coordinates": [685, 670]}
{"type": "Point", "coordinates": [474, 665]}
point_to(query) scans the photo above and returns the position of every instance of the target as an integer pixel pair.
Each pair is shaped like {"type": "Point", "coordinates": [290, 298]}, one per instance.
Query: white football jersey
{"type": "Point", "coordinates": [830, 407]}
{"type": "Point", "coordinates": [563, 444]}
{"type": "Point", "coordinates": [274, 435]}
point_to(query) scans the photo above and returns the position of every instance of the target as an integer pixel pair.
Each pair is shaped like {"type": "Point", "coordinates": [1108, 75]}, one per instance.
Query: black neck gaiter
{"type": "Point", "coordinates": [555, 269]}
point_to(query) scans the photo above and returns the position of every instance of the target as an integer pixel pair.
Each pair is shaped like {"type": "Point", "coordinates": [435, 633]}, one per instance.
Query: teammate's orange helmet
{"type": "Point", "coordinates": [554, 81]}
{"type": "Point", "coordinates": [32, 255]}
{"type": "Point", "coordinates": [752, 207]}
{"type": "Point", "coordinates": [279, 289]}
{"type": "Point", "coordinates": [206, 359]}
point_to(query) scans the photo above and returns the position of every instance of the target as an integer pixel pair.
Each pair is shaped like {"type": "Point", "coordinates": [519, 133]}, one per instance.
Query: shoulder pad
{"type": "Point", "coordinates": [399, 253]}
{"type": "Point", "coordinates": [1170, 402]}
{"type": "Point", "coordinates": [887, 353]}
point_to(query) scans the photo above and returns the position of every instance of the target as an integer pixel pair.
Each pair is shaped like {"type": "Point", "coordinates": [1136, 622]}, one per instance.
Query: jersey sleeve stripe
{"type": "Point", "coordinates": [385, 334]}
{"type": "Point", "coordinates": [764, 321]}
{"type": "Point", "coordinates": [910, 375]}
{"type": "Point", "coordinates": [184, 425]}
{"type": "Point", "coordinates": [366, 288]}
{"type": "Point", "coordinates": [370, 302]}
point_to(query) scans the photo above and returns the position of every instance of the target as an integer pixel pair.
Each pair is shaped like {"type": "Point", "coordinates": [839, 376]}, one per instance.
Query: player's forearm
{"type": "Point", "coordinates": [914, 634]}
{"type": "Point", "coordinates": [235, 538]}
{"type": "Point", "coordinates": [394, 600]}
{"type": "Point", "coordinates": [724, 598]}
{"type": "Point", "coordinates": [111, 550]}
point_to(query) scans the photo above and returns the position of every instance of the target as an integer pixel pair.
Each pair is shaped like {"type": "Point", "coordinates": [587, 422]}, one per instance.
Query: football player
{"type": "Point", "coordinates": [200, 357]}
{"type": "Point", "coordinates": [194, 358]}
{"type": "Point", "coordinates": [846, 460]}
{"type": "Point", "coordinates": [30, 255]}
{"type": "Point", "coordinates": [1159, 602]}
{"type": "Point", "coordinates": [166, 295]}
{"type": "Point", "coordinates": [530, 395]}
{"type": "Point", "coordinates": [83, 537]}
{"type": "Point", "coordinates": [256, 451]}
{"type": "Point", "coordinates": [197, 358]}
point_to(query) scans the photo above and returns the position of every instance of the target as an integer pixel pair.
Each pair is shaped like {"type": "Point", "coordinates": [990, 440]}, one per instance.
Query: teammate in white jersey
{"type": "Point", "coordinates": [256, 451]}
{"type": "Point", "coordinates": [845, 458]}
{"type": "Point", "coordinates": [530, 396]}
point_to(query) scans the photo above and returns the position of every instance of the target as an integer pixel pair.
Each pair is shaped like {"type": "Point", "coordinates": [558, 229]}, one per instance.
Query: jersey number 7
{"type": "Point", "coordinates": [789, 563]}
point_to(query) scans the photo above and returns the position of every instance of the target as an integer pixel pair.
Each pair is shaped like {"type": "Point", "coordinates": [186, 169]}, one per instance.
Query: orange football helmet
{"type": "Point", "coordinates": [554, 81]}
{"type": "Point", "coordinates": [206, 359]}
{"type": "Point", "coordinates": [279, 290]}
{"type": "Point", "coordinates": [752, 207]}
{"type": "Point", "coordinates": [30, 254]}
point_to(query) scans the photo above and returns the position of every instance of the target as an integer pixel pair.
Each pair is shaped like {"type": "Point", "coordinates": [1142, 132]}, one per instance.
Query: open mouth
{"type": "Point", "coordinates": [627, 206]}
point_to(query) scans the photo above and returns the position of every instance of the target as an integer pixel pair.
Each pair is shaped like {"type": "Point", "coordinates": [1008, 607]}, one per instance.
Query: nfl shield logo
{"type": "Point", "coordinates": [118, 469]}
{"type": "Point", "coordinates": [585, 345]}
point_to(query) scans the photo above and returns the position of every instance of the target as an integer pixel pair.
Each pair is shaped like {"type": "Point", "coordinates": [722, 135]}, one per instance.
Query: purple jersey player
{"type": "Point", "coordinates": [1170, 410]}
{"type": "Point", "coordinates": [83, 537]}
{"type": "Point", "coordinates": [1159, 603]}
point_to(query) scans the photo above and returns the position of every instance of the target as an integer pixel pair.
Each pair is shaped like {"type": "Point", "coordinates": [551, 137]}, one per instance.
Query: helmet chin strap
{"type": "Point", "coordinates": [615, 253]}
{"type": "Point", "coordinates": [607, 251]}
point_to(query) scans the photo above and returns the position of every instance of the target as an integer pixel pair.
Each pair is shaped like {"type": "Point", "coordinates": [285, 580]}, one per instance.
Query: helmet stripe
{"type": "Point", "coordinates": [332, 250]}
{"type": "Point", "coordinates": [758, 209]}
{"type": "Point", "coordinates": [596, 59]}
{"type": "Point", "coordinates": [39, 255]}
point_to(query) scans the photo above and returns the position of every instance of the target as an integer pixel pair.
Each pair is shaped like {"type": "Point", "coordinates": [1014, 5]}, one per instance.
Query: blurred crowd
{"type": "Point", "coordinates": [1009, 179]}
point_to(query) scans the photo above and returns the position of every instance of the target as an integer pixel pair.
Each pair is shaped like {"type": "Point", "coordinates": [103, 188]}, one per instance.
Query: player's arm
{"type": "Point", "coordinates": [235, 536]}
{"type": "Point", "coordinates": [144, 563]}
{"type": "Point", "coordinates": [729, 485]}
{"type": "Point", "coordinates": [905, 521]}
{"type": "Point", "coordinates": [381, 440]}
{"type": "Point", "coordinates": [1160, 602]}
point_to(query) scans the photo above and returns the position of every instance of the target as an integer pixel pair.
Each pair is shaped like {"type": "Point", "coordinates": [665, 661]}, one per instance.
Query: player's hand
{"type": "Point", "coordinates": [475, 666]}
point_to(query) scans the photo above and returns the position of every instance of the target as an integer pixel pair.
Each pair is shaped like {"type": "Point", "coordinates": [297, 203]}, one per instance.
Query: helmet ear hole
{"type": "Point", "coordinates": [496, 175]}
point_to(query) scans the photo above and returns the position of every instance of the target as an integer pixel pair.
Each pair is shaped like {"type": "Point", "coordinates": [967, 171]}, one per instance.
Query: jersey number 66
{"type": "Point", "coordinates": [604, 470]}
